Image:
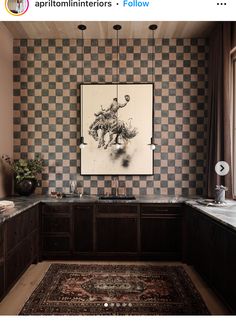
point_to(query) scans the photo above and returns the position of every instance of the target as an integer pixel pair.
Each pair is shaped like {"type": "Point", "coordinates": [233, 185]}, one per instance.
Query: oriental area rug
{"type": "Point", "coordinates": [90, 289]}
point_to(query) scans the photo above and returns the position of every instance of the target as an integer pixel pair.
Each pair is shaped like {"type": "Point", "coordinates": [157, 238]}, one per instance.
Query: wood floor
{"type": "Point", "coordinates": [19, 294]}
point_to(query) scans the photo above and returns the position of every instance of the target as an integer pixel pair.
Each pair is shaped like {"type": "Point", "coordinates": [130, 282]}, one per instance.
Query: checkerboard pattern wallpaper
{"type": "Point", "coordinates": [47, 76]}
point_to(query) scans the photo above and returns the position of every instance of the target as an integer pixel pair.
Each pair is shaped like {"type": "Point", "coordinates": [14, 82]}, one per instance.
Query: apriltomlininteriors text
{"type": "Point", "coordinates": [72, 3]}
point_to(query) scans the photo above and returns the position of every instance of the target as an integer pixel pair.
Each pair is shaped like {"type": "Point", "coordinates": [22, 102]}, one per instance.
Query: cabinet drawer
{"type": "Point", "coordinates": [56, 244]}
{"type": "Point", "coordinates": [55, 224]}
{"type": "Point", "coordinates": [57, 208]}
{"type": "Point", "coordinates": [160, 209]}
{"type": "Point", "coordinates": [117, 209]}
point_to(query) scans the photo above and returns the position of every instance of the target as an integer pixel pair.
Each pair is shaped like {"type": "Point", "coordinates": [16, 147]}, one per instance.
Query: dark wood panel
{"type": "Point", "coordinates": [1, 242]}
{"type": "Point", "coordinates": [56, 208]}
{"type": "Point", "coordinates": [34, 246]}
{"type": "Point", "coordinates": [116, 234]}
{"type": "Point", "coordinates": [18, 261]}
{"type": "Point", "coordinates": [160, 209]}
{"type": "Point", "coordinates": [211, 248]}
{"type": "Point", "coordinates": [21, 244]}
{"type": "Point", "coordinates": [32, 220]}
{"type": "Point", "coordinates": [56, 244]}
{"type": "Point", "coordinates": [162, 235]}
{"type": "Point", "coordinates": [83, 228]}
{"type": "Point", "coordinates": [15, 228]}
{"type": "Point", "coordinates": [2, 276]}
{"type": "Point", "coordinates": [117, 209]}
{"type": "Point", "coordinates": [201, 245]}
{"type": "Point", "coordinates": [230, 269]}
{"type": "Point", "coordinates": [56, 224]}
{"type": "Point", "coordinates": [18, 227]}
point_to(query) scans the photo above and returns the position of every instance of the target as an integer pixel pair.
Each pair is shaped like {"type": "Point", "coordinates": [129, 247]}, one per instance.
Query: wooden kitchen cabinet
{"type": "Point", "coordinates": [55, 230]}
{"type": "Point", "coordinates": [83, 228]}
{"type": "Point", "coordinates": [161, 231]}
{"type": "Point", "coordinates": [21, 249]}
{"type": "Point", "coordinates": [211, 249]}
{"type": "Point", "coordinates": [116, 229]}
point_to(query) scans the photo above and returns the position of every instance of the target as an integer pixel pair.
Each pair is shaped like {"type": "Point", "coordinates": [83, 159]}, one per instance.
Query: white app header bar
{"type": "Point", "coordinates": [114, 10]}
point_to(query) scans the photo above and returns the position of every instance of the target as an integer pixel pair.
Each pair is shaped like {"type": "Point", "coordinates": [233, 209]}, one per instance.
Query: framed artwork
{"type": "Point", "coordinates": [117, 131]}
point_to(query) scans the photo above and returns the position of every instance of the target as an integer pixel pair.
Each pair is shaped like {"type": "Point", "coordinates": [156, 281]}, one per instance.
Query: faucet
{"type": "Point", "coordinates": [115, 185]}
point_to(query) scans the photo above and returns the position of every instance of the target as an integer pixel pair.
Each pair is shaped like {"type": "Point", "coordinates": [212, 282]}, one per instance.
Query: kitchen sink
{"type": "Point", "coordinates": [117, 197]}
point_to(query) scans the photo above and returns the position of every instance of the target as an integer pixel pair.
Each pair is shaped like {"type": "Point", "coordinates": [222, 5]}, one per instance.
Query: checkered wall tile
{"type": "Point", "coordinates": [47, 76]}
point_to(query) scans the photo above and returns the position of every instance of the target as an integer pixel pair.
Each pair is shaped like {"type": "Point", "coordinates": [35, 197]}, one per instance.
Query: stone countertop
{"type": "Point", "coordinates": [224, 214]}
{"type": "Point", "coordinates": [23, 203]}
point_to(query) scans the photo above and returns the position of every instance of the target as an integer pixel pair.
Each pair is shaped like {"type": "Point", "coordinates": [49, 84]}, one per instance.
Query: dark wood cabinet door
{"type": "Point", "coordinates": [2, 277]}
{"type": "Point", "coordinates": [116, 234]}
{"type": "Point", "coordinates": [14, 232]}
{"type": "Point", "coordinates": [18, 261]}
{"type": "Point", "coordinates": [56, 244]}
{"type": "Point", "coordinates": [1, 242]}
{"type": "Point", "coordinates": [2, 274]}
{"type": "Point", "coordinates": [218, 257]}
{"type": "Point", "coordinates": [56, 230]}
{"type": "Point", "coordinates": [32, 219]}
{"type": "Point", "coordinates": [161, 231]}
{"type": "Point", "coordinates": [202, 256]}
{"type": "Point", "coordinates": [162, 236]}
{"type": "Point", "coordinates": [212, 251]}
{"type": "Point", "coordinates": [83, 228]}
{"type": "Point", "coordinates": [208, 249]}
{"type": "Point", "coordinates": [21, 244]}
{"type": "Point", "coordinates": [56, 224]}
{"type": "Point", "coordinates": [230, 268]}
{"type": "Point", "coordinates": [18, 227]}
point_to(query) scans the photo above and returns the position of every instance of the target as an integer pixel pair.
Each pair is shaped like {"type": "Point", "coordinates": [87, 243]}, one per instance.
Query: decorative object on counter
{"type": "Point", "coordinates": [81, 141]}
{"type": "Point", "coordinates": [104, 289]}
{"type": "Point", "coordinates": [60, 195]}
{"type": "Point", "coordinates": [153, 28]}
{"type": "Point", "coordinates": [56, 194]}
{"type": "Point", "coordinates": [211, 203]}
{"type": "Point", "coordinates": [6, 204]}
{"type": "Point", "coordinates": [220, 194]}
{"type": "Point", "coordinates": [25, 173]}
{"type": "Point", "coordinates": [2, 209]}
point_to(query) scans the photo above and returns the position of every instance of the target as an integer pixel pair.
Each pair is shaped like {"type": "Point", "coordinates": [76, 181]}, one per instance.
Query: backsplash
{"type": "Point", "coordinates": [47, 76]}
